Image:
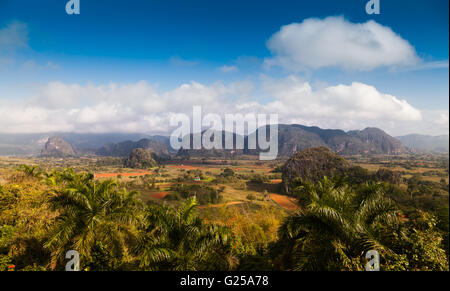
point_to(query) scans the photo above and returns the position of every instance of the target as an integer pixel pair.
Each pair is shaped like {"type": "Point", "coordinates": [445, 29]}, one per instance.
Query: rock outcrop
{"type": "Point", "coordinates": [57, 147]}
{"type": "Point", "coordinates": [312, 165]}
{"type": "Point", "coordinates": [141, 159]}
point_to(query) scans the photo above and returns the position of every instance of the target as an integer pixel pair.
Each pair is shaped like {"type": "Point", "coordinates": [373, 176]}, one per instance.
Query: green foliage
{"type": "Point", "coordinates": [191, 175]}
{"type": "Point", "coordinates": [357, 175]}
{"type": "Point", "coordinates": [443, 225]}
{"type": "Point", "coordinates": [92, 212]}
{"type": "Point", "coordinates": [5, 262]}
{"type": "Point", "coordinates": [259, 179]}
{"type": "Point", "coordinates": [312, 165]}
{"type": "Point", "coordinates": [203, 194]}
{"type": "Point", "coordinates": [141, 159]}
{"type": "Point", "coordinates": [31, 170]}
{"type": "Point", "coordinates": [227, 172]}
{"type": "Point", "coordinates": [178, 240]}
{"type": "Point", "coordinates": [423, 246]}
{"type": "Point", "coordinates": [44, 214]}
{"type": "Point", "coordinates": [252, 229]}
{"type": "Point", "coordinates": [386, 175]}
{"type": "Point", "coordinates": [6, 238]}
{"type": "Point", "coordinates": [251, 196]}
{"type": "Point", "coordinates": [338, 226]}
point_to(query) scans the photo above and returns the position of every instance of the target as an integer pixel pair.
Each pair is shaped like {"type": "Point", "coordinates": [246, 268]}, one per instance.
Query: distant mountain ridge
{"type": "Point", "coordinates": [84, 143]}
{"type": "Point", "coordinates": [123, 149]}
{"type": "Point", "coordinates": [291, 138]}
{"type": "Point", "coordinates": [427, 143]}
{"type": "Point", "coordinates": [294, 138]}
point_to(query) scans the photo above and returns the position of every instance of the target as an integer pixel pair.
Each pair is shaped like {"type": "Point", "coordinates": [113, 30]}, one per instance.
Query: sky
{"type": "Point", "coordinates": [128, 66]}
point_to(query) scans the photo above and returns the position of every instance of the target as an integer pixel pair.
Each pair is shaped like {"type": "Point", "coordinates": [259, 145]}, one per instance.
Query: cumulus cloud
{"type": "Point", "coordinates": [353, 102]}
{"type": "Point", "coordinates": [336, 42]}
{"type": "Point", "coordinates": [353, 106]}
{"type": "Point", "coordinates": [139, 107]}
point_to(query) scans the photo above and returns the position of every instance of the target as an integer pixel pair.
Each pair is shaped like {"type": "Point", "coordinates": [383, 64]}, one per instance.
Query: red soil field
{"type": "Point", "coordinates": [276, 181]}
{"type": "Point", "coordinates": [284, 202]}
{"type": "Point", "coordinates": [160, 195]}
{"type": "Point", "coordinates": [110, 175]}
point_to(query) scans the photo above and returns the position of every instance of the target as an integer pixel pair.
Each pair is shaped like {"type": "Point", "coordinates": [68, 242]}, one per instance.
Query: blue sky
{"type": "Point", "coordinates": [169, 43]}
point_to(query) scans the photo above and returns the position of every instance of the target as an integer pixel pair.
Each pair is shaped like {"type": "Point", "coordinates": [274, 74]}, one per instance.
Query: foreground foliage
{"type": "Point", "coordinates": [338, 226]}
{"type": "Point", "coordinates": [45, 214]}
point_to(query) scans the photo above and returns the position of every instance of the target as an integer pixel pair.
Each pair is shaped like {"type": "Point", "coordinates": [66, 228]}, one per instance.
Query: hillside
{"type": "Point", "coordinates": [377, 141]}
{"type": "Point", "coordinates": [140, 159]}
{"type": "Point", "coordinates": [427, 143]}
{"type": "Point", "coordinates": [312, 164]}
{"type": "Point", "coordinates": [293, 138]}
{"type": "Point", "coordinates": [123, 149]}
{"type": "Point", "coordinates": [32, 143]}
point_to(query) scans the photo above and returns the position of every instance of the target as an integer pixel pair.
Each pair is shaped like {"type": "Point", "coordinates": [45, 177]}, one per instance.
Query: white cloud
{"type": "Point", "coordinates": [429, 66]}
{"type": "Point", "coordinates": [434, 122]}
{"type": "Point", "coordinates": [336, 42]}
{"type": "Point", "coordinates": [442, 118]}
{"type": "Point", "coordinates": [138, 107]}
{"type": "Point", "coordinates": [13, 40]}
{"type": "Point", "coordinates": [228, 69]}
{"type": "Point", "coordinates": [354, 102]}
{"type": "Point", "coordinates": [31, 65]}
{"type": "Point", "coordinates": [13, 36]}
{"type": "Point", "coordinates": [353, 106]}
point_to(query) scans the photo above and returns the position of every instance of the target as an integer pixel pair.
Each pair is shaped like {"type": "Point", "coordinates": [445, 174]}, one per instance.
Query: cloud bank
{"type": "Point", "coordinates": [139, 107]}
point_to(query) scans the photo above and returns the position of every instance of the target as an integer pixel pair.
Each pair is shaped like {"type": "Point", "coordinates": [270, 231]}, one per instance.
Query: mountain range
{"type": "Point", "coordinates": [426, 143]}
{"type": "Point", "coordinates": [291, 138]}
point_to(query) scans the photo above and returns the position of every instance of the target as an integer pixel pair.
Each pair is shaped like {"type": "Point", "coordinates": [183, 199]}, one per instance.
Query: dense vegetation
{"type": "Point", "coordinates": [46, 212]}
{"type": "Point", "coordinates": [339, 225]}
{"type": "Point", "coordinates": [140, 159]}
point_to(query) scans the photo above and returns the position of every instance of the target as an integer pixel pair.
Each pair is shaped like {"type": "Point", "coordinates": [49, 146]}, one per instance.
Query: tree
{"type": "Point", "coordinates": [177, 239]}
{"type": "Point", "coordinates": [386, 175]}
{"type": "Point", "coordinates": [92, 214]}
{"type": "Point", "coordinates": [227, 172]}
{"type": "Point", "coordinates": [336, 228]}
{"type": "Point", "coordinates": [424, 244]}
{"type": "Point", "coordinates": [31, 170]}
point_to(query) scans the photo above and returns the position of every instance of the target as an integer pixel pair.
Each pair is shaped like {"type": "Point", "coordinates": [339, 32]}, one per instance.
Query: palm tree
{"type": "Point", "coordinates": [337, 227]}
{"type": "Point", "coordinates": [30, 170]}
{"type": "Point", "coordinates": [177, 239]}
{"type": "Point", "coordinates": [92, 213]}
